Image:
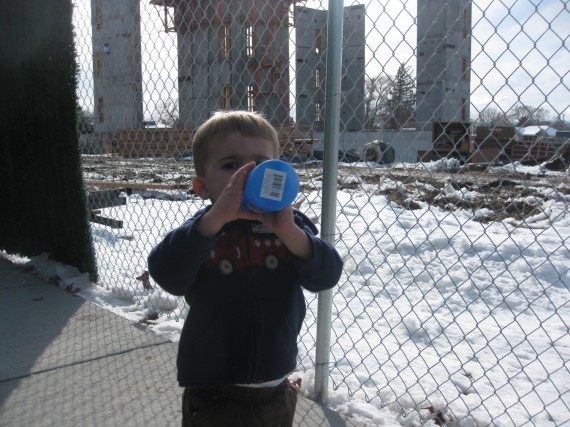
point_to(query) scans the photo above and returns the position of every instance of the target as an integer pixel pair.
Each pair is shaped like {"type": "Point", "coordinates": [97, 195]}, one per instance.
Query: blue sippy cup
{"type": "Point", "coordinates": [270, 186]}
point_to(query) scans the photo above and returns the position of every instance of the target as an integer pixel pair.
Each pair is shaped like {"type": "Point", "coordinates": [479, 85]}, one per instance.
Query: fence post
{"type": "Point", "coordinates": [330, 169]}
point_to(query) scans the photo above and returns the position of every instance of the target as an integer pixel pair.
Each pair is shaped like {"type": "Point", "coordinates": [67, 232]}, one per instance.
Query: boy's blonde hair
{"type": "Point", "coordinates": [223, 123]}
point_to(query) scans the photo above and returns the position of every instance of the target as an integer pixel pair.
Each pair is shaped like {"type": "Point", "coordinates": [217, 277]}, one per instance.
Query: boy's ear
{"type": "Point", "coordinates": [199, 187]}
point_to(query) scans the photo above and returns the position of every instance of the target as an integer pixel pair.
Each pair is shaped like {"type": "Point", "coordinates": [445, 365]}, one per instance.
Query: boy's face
{"type": "Point", "coordinates": [225, 156]}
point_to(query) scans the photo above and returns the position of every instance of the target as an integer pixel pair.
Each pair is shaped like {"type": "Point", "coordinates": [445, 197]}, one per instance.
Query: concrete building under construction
{"type": "Point", "coordinates": [310, 72]}
{"type": "Point", "coordinates": [117, 70]}
{"type": "Point", "coordinates": [234, 54]}
{"type": "Point", "coordinates": [443, 61]}
{"type": "Point", "coordinates": [231, 54]}
{"type": "Point", "coordinates": [444, 75]}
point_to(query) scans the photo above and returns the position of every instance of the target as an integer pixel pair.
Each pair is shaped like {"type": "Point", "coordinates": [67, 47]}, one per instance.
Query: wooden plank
{"type": "Point", "coordinates": [106, 199]}
{"type": "Point", "coordinates": [109, 222]}
{"type": "Point", "coordinates": [129, 186]}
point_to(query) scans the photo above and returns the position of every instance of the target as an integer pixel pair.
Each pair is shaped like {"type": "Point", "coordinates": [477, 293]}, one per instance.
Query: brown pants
{"type": "Point", "coordinates": [235, 406]}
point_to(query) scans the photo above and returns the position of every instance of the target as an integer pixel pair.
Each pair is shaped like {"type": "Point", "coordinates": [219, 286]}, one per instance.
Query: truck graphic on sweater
{"type": "Point", "coordinates": [237, 251]}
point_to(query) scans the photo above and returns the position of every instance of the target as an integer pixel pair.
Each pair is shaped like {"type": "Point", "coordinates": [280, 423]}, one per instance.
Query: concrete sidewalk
{"type": "Point", "coordinates": [67, 362]}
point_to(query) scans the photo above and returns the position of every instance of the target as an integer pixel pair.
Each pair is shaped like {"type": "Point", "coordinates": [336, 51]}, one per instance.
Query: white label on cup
{"type": "Point", "coordinates": [273, 184]}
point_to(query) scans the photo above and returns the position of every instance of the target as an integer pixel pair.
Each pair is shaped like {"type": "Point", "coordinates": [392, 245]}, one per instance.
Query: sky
{"type": "Point", "coordinates": [520, 51]}
{"type": "Point", "coordinates": [436, 312]}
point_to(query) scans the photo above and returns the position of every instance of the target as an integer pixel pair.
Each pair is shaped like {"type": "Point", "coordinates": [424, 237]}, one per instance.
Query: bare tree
{"type": "Point", "coordinates": [492, 116]}
{"type": "Point", "coordinates": [377, 91]}
{"type": "Point", "coordinates": [560, 124]}
{"type": "Point", "coordinates": [526, 115]}
{"type": "Point", "coordinates": [168, 112]}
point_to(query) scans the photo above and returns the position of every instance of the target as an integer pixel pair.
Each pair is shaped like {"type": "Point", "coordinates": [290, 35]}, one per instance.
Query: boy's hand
{"type": "Point", "coordinates": [282, 223]}
{"type": "Point", "coordinates": [227, 206]}
{"type": "Point", "coordinates": [279, 222]}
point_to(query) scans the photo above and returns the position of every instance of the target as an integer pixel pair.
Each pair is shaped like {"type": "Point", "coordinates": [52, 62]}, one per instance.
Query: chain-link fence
{"type": "Point", "coordinates": [452, 210]}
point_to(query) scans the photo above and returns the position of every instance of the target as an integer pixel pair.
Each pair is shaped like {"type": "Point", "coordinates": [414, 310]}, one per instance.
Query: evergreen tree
{"type": "Point", "coordinates": [402, 100]}
{"type": "Point", "coordinates": [86, 121]}
{"type": "Point", "coordinates": [44, 202]}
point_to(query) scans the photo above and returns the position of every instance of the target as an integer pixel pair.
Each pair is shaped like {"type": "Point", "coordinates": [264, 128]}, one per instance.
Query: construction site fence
{"type": "Point", "coordinates": [452, 205]}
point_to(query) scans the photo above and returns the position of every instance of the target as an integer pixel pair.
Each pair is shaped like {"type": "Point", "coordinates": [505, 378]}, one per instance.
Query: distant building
{"type": "Point", "coordinates": [443, 62]}
{"type": "Point", "coordinates": [562, 137]}
{"type": "Point", "coordinates": [310, 73]}
{"type": "Point", "coordinates": [536, 133]}
{"type": "Point", "coordinates": [534, 144]}
{"type": "Point", "coordinates": [232, 54]}
{"type": "Point", "coordinates": [117, 73]}
{"type": "Point", "coordinates": [531, 144]}
{"type": "Point", "coordinates": [493, 144]}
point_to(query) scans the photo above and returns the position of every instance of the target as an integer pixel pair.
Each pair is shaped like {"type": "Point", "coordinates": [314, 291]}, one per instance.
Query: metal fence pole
{"type": "Point", "coordinates": [330, 168]}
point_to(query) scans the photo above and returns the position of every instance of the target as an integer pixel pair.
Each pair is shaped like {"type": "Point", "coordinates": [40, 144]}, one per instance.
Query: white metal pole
{"type": "Point", "coordinates": [330, 172]}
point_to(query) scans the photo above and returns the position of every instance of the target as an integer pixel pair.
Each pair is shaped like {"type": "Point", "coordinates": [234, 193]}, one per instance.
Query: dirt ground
{"type": "Point", "coordinates": [500, 192]}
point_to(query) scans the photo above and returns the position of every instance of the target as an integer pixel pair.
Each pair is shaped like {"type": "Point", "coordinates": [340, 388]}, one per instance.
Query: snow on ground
{"type": "Point", "coordinates": [439, 318]}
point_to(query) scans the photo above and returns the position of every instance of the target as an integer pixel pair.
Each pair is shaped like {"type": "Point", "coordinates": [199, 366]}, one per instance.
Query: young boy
{"type": "Point", "coordinates": [242, 274]}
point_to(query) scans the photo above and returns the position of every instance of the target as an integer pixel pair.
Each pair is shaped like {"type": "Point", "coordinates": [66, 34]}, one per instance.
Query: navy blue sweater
{"type": "Point", "coordinates": [245, 294]}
